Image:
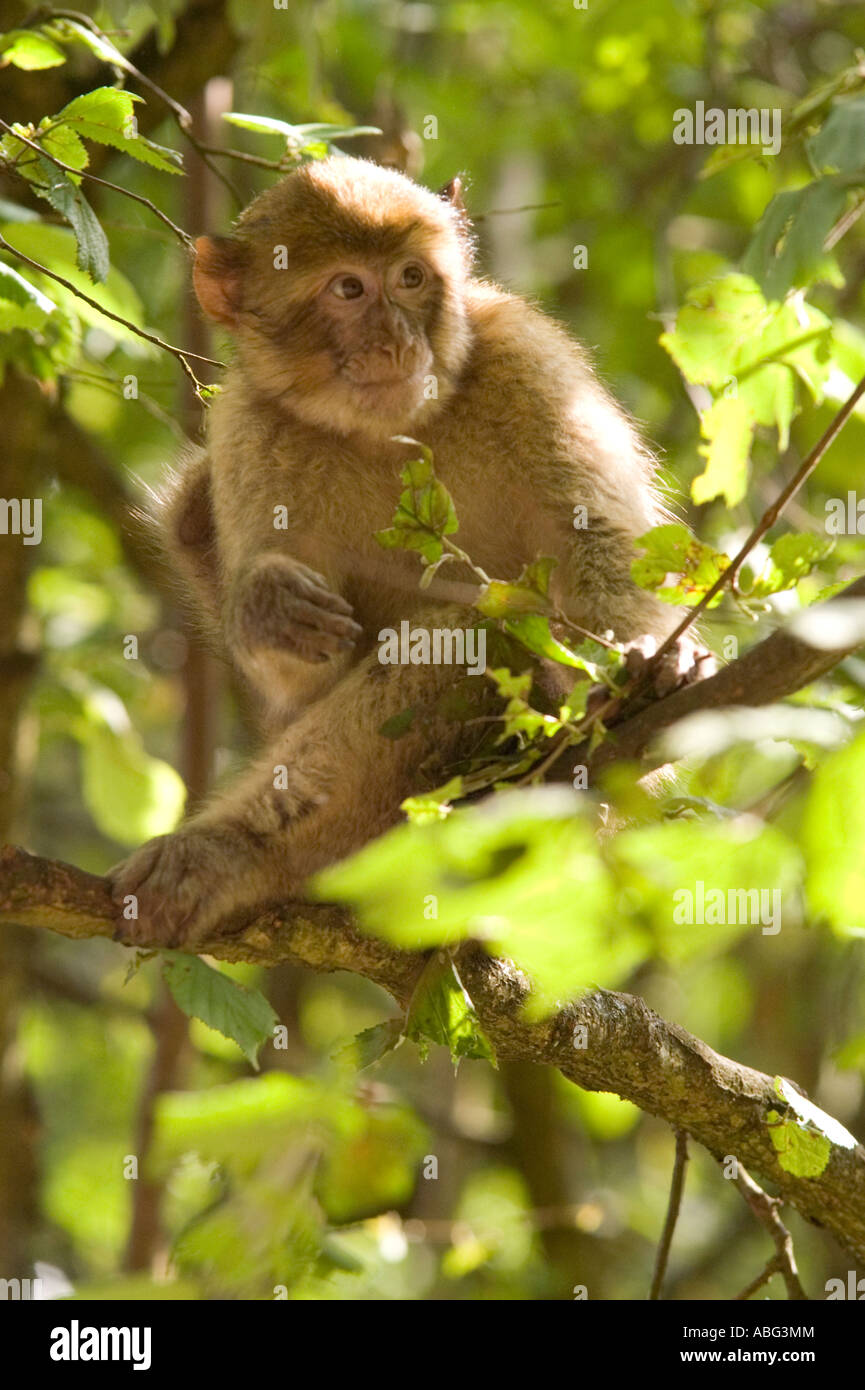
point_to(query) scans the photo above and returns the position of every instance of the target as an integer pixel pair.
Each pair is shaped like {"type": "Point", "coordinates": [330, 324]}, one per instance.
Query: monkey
{"type": "Point", "coordinates": [357, 319]}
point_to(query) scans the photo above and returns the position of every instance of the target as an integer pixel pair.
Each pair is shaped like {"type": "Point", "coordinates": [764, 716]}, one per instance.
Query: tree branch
{"type": "Point", "coordinates": [630, 1050]}
{"type": "Point", "coordinates": [783, 1262]}
{"type": "Point", "coordinates": [769, 671]}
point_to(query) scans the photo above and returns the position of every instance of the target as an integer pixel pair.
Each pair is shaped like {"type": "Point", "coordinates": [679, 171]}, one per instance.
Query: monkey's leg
{"type": "Point", "coordinates": [329, 783]}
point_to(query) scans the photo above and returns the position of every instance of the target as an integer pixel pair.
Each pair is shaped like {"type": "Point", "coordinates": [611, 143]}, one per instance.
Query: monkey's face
{"type": "Point", "coordinates": [345, 292]}
{"type": "Point", "coordinates": [377, 320]}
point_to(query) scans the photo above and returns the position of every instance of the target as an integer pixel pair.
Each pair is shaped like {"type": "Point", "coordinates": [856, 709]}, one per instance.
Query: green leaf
{"type": "Point", "coordinates": [372, 1044]}
{"type": "Point", "coordinates": [527, 594]}
{"type": "Point", "coordinates": [533, 631]}
{"type": "Point", "coordinates": [800, 1152]}
{"type": "Point", "coordinates": [302, 137]}
{"type": "Point", "coordinates": [269, 124]}
{"type": "Point", "coordinates": [22, 305]}
{"type": "Point", "coordinates": [727, 336]}
{"type": "Point", "coordinates": [703, 884]}
{"type": "Point", "coordinates": [787, 247]}
{"type": "Point", "coordinates": [16, 212]}
{"type": "Point", "coordinates": [57, 188]}
{"type": "Point", "coordinates": [398, 724]}
{"type": "Point", "coordinates": [812, 1117]}
{"type": "Point", "coordinates": [69, 29]}
{"type": "Point", "coordinates": [518, 716]}
{"type": "Point", "coordinates": [499, 599]}
{"type": "Point", "coordinates": [721, 319]}
{"type": "Point", "coordinates": [833, 835]}
{"type": "Point", "coordinates": [425, 512]}
{"type": "Point", "coordinates": [791, 558]}
{"type": "Point", "coordinates": [130, 795]}
{"type": "Point", "coordinates": [678, 567]}
{"type": "Point", "coordinates": [55, 248]}
{"type": "Point", "coordinates": [442, 1012]}
{"type": "Point", "coordinates": [29, 50]}
{"type": "Point", "coordinates": [238, 1123]}
{"type": "Point", "coordinates": [60, 141]}
{"type": "Point", "coordinates": [106, 115]}
{"type": "Point", "coordinates": [521, 872]}
{"type": "Point", "coordinates": [374, 1169]}
{"type": "Point", "coordinates": [239, 1013]}
{"type": "Point", "coordinates": [728, 426]}
{"type": "Point", "coordinates": [434, 805]}
{"type": "Point", "coordinates": [839, 145]}
{"type": "Point", "coordinates": [336, 132]}
{"type": "Point", "coordinates": [803, 1135]}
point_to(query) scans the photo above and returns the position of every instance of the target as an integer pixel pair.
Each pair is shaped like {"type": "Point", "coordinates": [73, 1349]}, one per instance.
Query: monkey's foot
{"type": "Point", "coordinates": [168, 892]}
{"type": "Point", "coordinates": [686, 662]}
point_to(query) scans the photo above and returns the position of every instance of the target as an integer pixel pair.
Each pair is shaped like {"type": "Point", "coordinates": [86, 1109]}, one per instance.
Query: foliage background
{"type": "Point", "coordinates": [311, 1176]}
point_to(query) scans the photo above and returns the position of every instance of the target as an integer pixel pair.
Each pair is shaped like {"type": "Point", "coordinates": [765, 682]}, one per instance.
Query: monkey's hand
{"type": "Point", "coordinates": [170, 891]}
{"type": "Point", "coordinates": [279, 603]}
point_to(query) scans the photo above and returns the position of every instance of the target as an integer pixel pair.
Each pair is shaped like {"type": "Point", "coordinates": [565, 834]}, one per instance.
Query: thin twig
{"type": "Point", "coordinates": [843, 225]}
{"type": "Point", "coordinates": [225, 153]}
{"type": "Point", "coordinates": [94, 178]}
{"type": "Point", "coordinates": [677, 1187]}
{"type": "Point", "coordinates": [767, 520]}
{"type": "Point", "coordinates": [180, 353]}
{"type": "Point", "coordinates": [182, 117]}
{"type": "Point", "coordinates": [506, 212]}
{"type": "Point", "coordinates": [766, 1208]}
{"type": "Point", "coordinates": [773, 1267]}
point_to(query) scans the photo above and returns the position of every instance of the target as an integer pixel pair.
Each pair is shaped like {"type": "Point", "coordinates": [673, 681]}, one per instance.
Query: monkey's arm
{"type": "Point", "coordinates": [187, 532]}
{"type": "Point", "coordinates": [328, 782]}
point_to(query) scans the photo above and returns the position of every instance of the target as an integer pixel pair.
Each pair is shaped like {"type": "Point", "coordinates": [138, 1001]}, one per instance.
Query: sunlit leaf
{"type": "Point", "coordinates": [29, 50]}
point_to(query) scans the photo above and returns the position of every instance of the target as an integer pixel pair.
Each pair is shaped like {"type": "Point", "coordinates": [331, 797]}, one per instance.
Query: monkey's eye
{"type": "Point", "coordinates": [412, 276]}
{"type": "Point", "coordinates": [347, 287]}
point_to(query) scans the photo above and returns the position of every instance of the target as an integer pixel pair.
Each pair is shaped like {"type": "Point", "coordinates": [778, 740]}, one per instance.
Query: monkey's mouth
{"type": "Point", "coordinates": [388, 384]}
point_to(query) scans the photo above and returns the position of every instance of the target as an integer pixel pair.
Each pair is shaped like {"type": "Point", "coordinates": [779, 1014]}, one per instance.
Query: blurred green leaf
{"type": "Point", "coordinates": [130, 795]}
{"type": "Point", "coordinates": [727, 426]}
{"type": "Point", "coordinates": [235, 1011]}
{"type": "Point", "coordinates": [833, 837]}
{"type": "Point", "coordinates": [787, 246]}
{"type": "Point", "coordinates": [839, 145]}
{"type": "Point", "coordinates": [522, 873]}
{"type": "Point", "coordinates": [29, 50]}
{"type": "Point", "coordinates": [55, 248]}
{"type": "Point", "coordinates": [22, 305]}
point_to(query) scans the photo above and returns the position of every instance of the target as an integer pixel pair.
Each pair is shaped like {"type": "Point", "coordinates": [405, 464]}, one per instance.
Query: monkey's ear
{"type": "Point", "coordinates": [452, 192]}
{"type": "Point", "coordinates": [217, 277]}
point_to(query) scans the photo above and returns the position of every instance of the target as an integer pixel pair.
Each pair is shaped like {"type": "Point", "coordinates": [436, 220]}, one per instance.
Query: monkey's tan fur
{"type": "Point", "coordinates": [336, 353]}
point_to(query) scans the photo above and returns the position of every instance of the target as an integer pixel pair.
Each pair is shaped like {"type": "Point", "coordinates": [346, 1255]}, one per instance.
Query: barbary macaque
{"type": "Point", "coordinates": [349, 293]}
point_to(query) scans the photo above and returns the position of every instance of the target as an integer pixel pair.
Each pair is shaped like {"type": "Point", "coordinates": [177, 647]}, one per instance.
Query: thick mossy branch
{"type": "Point", "coordinates": [605, 1042]}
